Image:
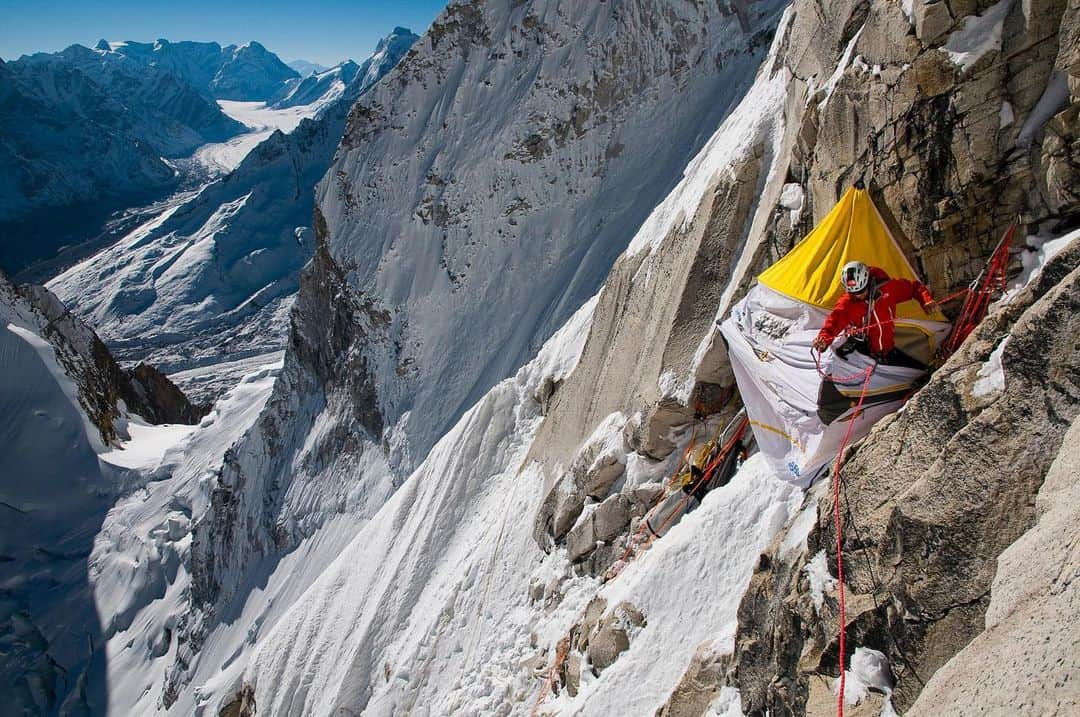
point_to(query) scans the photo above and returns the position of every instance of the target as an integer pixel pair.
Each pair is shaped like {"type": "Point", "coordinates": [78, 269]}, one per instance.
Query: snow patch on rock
{"type": "Point", "coordinates": [991, 375]}
{"type": "Point", "coordinates": [977, 36]}
{"type": "Point", "coordinates": [841, 66]}
{"type": "Point", "coordinates": [869, 672]}
{"type": "Point", "coordinates": [821, 580]}
{"type": "Point", "coordinates": [1039, 251]}
{"type": "Point", "coordinates": [1054, 97]}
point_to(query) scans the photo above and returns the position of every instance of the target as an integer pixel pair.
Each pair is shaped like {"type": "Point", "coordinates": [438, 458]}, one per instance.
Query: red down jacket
{"type": "Point", "coordinates": [851, 312]}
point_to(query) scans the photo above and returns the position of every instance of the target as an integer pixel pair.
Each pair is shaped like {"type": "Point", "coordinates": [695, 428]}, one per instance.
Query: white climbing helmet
{"type": "Point", "coordinates": [854, 277]}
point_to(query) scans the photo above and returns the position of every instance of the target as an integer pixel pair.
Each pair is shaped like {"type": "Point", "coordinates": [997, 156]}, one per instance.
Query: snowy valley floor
{"type": "Point", "coordinates": [221, 158]}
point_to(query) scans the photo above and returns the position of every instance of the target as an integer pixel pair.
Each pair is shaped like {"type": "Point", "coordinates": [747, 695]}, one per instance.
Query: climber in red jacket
{"type": "Point", "coordinates": [869, 306]}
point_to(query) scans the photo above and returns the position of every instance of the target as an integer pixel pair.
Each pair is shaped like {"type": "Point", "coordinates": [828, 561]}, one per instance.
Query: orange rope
{"type": "Point", "coordinates": [950, 297]}
{"type": "Point", "coordinates": [635, 539]}
{"type": "Point", "coordinates": [561, 651]}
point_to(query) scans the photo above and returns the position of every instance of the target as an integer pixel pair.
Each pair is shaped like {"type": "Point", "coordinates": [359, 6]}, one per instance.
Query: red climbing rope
{"type": "Point", "coordinates": [992, 277]}
{"type": "Point", "coordinates": [840, 539]}
{"type": "Point", "coordinates": [832, 377]}
{"type": "Point", "coordinates": [643, 537]}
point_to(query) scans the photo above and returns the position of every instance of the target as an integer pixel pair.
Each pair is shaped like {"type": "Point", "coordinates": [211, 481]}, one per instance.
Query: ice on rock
{"type": "Point", "coordinates": [869, 671]}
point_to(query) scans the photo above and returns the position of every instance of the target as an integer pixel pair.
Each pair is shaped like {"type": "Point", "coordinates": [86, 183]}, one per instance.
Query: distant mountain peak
{"type": "Point", "coordinates": [253, 46]}
{"type": "Point", "coordinates": [306, 67]}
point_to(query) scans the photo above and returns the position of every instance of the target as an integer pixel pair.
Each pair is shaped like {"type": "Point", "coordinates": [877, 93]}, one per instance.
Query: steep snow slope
{"type": "Point", "coordinates": [445, 623]}
{"type": "Point", "coordinates": [213, 277]}
{"type": "Point", "coordinates": [485, 189]}
{"type": "Point", "coordinates": [104, 392]}
{"type": "Point", "coordinates": [138, 563]}
{"type": "Point", "coordinates": [399, 619]}
{"type": "Point", "coordinates": [44, 541]}
{"type": "Point", "coordinates": [66, 454]}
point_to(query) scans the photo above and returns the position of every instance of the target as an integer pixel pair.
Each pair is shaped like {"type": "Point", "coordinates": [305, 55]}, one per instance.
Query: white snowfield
{"type": "Point", "coordinates": [138, 564]}
{"type": "Point", "coordinates": [47, 452]}
{"type": "Point", "coordinates": [220, 158]}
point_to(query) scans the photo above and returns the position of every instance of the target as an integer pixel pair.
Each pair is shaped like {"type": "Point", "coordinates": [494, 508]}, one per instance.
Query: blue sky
{"type": "Point", "coordinates": [324, 31]}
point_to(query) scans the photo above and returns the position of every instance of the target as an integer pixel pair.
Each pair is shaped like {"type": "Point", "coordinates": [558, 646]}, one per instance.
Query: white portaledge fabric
{"type": "Point", "coordinates": [768, 337]}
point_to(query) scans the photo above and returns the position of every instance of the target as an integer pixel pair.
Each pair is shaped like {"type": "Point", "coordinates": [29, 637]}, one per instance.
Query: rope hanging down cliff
{"type": "Point", "coordinates": [840, 543]}
{"type": "Point", "coordinates": [976, 304]}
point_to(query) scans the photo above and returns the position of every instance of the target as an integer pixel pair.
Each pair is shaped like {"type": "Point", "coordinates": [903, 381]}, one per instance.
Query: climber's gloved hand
{"type": "Point", "coordinates": [820, 344]}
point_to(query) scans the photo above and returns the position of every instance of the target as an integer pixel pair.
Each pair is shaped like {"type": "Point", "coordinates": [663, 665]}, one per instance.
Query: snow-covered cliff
{"type": "Point", "coordinates": [70, 420]}
{"type": "Point", "coordinates": [483, 191]}
{"type": "Point", "coordinates": [317, 460]}
{"type": "Point", "coordinates": [305, 553]}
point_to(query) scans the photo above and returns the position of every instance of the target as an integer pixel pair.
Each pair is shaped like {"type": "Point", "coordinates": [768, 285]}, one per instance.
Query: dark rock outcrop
{"type": "Point", "coordinates": [159, 399]}
{"type": "Point", "coordinates": [596, 642]}
{"type": "Point", "coordinates": [1035, 593]}
{"type": "Point", "coordinates": [101, 382]}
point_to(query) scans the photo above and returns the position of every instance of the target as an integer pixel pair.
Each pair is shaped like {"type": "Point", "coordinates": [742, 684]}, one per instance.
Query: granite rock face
{"type": "Point", "coordinates": [596, 641]}
{"type": "Point", "coordinates": [1026, 660]}
{"type": "Point", "coordinates": [951, 149]}
{"type": "Point", "coordinates": [931, 500]}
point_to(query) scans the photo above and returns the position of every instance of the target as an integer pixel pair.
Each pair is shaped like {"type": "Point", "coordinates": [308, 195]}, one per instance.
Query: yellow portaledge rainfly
{"type": "Point", "coordinates": [799, 412]}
